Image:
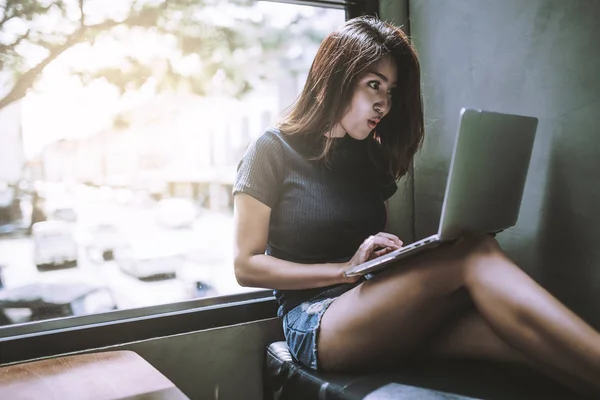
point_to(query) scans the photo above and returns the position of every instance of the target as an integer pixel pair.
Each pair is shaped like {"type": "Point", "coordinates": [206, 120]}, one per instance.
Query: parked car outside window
{"type": "Point", "coordinates": [103, 241]}
{"type": "Point", "coordinates": [43, 301]}
{"type": "Point", "coordinates": [54, 245]}
{"type": "Point", "coordinates": [148, 264]}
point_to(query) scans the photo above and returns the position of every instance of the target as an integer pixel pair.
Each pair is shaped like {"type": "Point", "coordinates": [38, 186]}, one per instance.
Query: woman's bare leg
{"type": "Point", "coordinates": [471, 337]}
{"type": "Point", "coordinates": [550, 335]}
{"type": "Point", "coordinates": [399, 309]}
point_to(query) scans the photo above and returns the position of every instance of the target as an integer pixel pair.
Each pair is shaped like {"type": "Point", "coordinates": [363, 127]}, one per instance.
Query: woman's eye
{"type": "Point", "coordinates": [374, 85]}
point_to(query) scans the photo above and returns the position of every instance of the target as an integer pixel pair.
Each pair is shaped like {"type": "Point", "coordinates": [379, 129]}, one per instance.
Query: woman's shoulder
{"type": "Point", "coordinates": [273, 135]}
{"type": "Point", "coordinates": [271, 145]}
{"type": "Point", "coordinates": [273, 139]}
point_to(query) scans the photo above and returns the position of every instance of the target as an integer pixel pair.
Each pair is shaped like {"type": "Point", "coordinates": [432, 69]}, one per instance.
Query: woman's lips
{"type": "Point", "coordinates": [372, 124]}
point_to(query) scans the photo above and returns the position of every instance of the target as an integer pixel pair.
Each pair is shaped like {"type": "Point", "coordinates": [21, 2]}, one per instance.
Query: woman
{"type": "Point", "coordinates": [310, 202]}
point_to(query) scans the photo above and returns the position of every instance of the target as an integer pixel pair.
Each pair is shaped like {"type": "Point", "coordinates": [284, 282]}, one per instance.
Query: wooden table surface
{"type": "Point", "coordinates": [93, 376]}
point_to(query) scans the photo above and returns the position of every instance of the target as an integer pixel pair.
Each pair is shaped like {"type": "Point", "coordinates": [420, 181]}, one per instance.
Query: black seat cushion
{"type": "Point", "coordinates": [286, 379]}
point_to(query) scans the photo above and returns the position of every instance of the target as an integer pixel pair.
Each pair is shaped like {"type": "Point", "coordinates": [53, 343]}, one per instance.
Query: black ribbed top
{"type": "Point", "coordinates": [319, 213]}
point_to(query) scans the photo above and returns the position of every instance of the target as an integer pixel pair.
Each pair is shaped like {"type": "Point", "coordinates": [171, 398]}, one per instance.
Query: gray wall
{"type": "Point", "coordinates": [534, 57]}
{"type": "Point", "coordinates": [222, 363]}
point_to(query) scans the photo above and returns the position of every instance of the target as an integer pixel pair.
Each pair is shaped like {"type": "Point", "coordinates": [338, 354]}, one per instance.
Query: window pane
{"type": "Point", "coordinates": [117, 166]}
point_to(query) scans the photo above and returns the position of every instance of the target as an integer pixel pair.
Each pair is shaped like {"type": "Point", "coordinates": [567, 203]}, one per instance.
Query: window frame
{"type": "Point", "coordinates": [73, 334]}
{"type": "Point", "coordinates": [52, 337]}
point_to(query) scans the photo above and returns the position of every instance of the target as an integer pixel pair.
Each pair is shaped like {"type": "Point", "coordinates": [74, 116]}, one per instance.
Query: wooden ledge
{"type": "Point", "coordinates": [93, 376]}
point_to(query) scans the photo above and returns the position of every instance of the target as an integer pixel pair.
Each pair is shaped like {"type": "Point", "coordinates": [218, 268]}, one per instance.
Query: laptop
{"type": "Point", "coordinates": [485, 182]}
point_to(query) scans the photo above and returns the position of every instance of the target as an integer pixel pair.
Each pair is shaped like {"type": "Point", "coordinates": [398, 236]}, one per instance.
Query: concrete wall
{"type": "Point", "coordinates": [220, 364]}
{"type": "Point", "coordinates": [539, 58]}
{"type": "Point", "coordinates": [224, 363]}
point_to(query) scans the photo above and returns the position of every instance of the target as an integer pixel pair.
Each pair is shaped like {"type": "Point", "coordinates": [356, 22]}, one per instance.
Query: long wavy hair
{"type": "Point", "coordinates": [341, 59]}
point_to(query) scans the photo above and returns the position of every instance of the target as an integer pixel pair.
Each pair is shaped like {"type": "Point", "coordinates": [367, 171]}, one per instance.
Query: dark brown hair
{"type": "Point", "coordinates": [341, 59]}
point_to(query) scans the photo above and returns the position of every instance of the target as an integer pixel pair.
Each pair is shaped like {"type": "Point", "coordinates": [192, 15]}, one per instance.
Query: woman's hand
{"type": "Point", "coordinates": [373, 247]}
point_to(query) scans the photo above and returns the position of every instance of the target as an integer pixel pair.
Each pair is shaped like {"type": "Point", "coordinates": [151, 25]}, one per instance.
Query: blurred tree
{"type": "Point", "coordinates": [215, 36]}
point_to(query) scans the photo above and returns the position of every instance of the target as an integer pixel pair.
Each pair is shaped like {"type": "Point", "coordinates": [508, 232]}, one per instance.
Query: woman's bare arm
{"type": "Point", "coordinates": [254, 268]}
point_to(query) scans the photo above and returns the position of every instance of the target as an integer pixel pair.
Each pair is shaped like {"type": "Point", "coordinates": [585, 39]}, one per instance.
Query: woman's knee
{"type": "Point", "coordinates": [482, 252]}
{"type": "Point", "coordinates": [479, 245]}
{"type": "Point", "coordinates": [448, 268]}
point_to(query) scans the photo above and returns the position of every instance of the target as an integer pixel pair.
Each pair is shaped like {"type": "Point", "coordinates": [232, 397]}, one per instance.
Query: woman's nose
{"type": "Point", "coordinates": [382, 107]}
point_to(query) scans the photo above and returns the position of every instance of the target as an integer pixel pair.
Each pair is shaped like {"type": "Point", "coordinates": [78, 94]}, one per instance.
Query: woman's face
{"type": "Point", "coordinates": [371, 101]}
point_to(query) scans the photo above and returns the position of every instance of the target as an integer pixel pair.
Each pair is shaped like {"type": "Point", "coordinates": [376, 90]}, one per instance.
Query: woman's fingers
{"type": "Point", "coordinates": [382, 252]}
{"type": "Point", "coordinates": [374, 242]}
{"type": "Point", "coordinates": [393, 238]}
{"type": "Point", "coordinates": [375, 246]}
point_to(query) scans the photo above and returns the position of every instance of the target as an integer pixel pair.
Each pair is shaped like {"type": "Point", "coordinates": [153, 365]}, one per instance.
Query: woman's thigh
{"type": "Point", "coordinates": [386, 318]}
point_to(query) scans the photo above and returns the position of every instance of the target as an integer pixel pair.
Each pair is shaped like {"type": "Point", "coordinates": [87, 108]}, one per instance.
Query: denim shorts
{"type": "Point", "coordinates": [301, 324]}
{"type": "Point", "coordinates": [301, 328]}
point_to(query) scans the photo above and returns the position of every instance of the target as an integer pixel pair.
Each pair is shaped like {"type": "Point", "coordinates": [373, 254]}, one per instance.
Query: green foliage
{"type": "Point", "coordinates": [227, 49]}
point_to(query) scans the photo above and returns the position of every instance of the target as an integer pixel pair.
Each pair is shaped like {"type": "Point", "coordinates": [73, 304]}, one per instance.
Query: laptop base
{"type": "Point", "coordinates": [396, 255]}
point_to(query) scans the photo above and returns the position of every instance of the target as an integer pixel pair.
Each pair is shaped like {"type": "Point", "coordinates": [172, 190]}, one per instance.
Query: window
{"type": "Point", "coordinates": [117, 165]}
